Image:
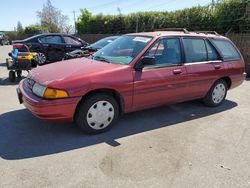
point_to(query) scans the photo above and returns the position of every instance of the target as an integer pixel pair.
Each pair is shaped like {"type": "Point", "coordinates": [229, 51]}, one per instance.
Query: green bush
{"type": "Point", "coordinates": [227, 15]}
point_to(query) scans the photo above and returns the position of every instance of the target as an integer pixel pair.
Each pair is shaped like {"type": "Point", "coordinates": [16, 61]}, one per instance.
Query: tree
{"type": "Point", "coordinates": [84, 21]}
{"type": "Point", "coordinates": [34, 29]}
{"type": "Point", "coordinates": [19, 28]}
{"type": "Point", "coordinates": [52, 18]}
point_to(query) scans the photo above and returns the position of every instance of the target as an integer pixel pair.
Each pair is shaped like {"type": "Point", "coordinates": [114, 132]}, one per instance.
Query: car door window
{"type": "Point", "coordinates": [212, 54]}
{"type": "Point", "coordinates": [71, 41]}
{"type": "Point", "coordinates": [51, 39]}
{"type": "Point", "coordinates": [166, 52]}
{"type": "Point", "coordinates": [195, 50]}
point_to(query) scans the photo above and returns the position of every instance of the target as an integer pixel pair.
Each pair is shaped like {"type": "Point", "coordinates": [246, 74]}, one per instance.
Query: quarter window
{"type": "Point", "coordinates": [195, 50]}
{"type": "Point", "coordinates": [166, 52]}
{"type": "Point", "coordinates": [211, 52]}
{"type": "Point", "coordinates": [226, 49]}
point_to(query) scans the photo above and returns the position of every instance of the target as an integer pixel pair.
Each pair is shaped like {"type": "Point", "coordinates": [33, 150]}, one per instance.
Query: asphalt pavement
{"type": "Point", "coordinates": [182, 145]}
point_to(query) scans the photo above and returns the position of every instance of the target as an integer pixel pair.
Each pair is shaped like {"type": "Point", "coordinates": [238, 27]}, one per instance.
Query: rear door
{"type": "Point", "coordinates": [164, 82]}
{"type": "Point", "coordinates": [53, 46]}
{"type": "Point", "coordinates": [203, 64]}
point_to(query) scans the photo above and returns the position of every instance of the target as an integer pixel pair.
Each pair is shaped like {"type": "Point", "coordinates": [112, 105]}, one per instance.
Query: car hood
{"type": "Point", "coordinates": [71, 71]}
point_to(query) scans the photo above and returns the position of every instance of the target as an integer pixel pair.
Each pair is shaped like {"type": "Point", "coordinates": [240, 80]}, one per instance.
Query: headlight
{"type": "Point", "coordinates": [48, 93]}
{"type": "Point", "coordinates": [38, 89]}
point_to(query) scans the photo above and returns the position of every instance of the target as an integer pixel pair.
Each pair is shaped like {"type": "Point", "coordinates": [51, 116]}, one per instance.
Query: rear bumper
{"type": "Point", "coordinates": [61, 110]}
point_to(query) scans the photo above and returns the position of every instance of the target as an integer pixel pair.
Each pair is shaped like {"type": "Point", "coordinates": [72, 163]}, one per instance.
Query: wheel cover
{"type": "Point", "coordinates": [100, 115]}
{"type": "Point", "coordinates": [219, 93]}
{"type": "Point", "coordinates": [41, 58]}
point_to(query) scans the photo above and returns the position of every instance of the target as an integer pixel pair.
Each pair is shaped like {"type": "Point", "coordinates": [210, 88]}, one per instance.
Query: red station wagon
{"type": "Point", "coordinates": [136, 71]}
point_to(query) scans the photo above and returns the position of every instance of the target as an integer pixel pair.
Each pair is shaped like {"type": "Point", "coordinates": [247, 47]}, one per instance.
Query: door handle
{"type": "Point", "coordinates": [217, 66]}
{"type": "Point", "coordinates": [177, 71]}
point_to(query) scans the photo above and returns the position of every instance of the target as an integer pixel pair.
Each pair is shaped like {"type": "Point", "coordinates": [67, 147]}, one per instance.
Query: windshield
{"type": "Point", "coordinates": [123, 50]}
{"type": "Point", "coordinates": [103, 42]}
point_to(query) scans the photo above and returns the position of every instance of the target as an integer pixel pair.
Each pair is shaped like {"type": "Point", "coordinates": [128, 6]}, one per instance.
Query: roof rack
{"type": "Point", "coordinates": [173, 29]}
{"type": "Point", "coordinates": [207, 32]}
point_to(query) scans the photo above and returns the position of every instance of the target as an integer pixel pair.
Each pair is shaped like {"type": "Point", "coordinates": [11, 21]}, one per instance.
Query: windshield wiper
{"type": "Point", "coordinates": [100, 58]}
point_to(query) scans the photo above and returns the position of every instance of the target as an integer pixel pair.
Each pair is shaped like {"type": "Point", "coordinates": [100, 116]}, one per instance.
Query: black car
{"type": "Point", "coordinates": [4, 40]}
{"type": "Point", "coordinates": [50, 47]}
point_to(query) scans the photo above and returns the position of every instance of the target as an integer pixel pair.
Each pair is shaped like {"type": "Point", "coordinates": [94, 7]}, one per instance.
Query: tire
{"type": "Point", "coordinates": [12, 76]}
{"type": "Point", "coordinates": [92, 120]}
{"type": "Point", "coordinates": [217, 94]}
{"type": "Point", "coordinates": [19, 73]}
{"type": "Point", "coordinates": [41, 58]}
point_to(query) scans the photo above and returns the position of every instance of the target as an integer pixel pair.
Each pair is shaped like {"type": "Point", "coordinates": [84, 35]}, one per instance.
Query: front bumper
{"type": "Point", "coordinates": [62, 110]}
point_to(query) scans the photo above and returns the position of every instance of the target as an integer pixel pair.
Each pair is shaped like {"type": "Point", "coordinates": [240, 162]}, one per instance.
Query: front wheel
{"type": "Point", "coordinates": [216, 94]}
{"type": "Point", "coordinates": [97, 113]}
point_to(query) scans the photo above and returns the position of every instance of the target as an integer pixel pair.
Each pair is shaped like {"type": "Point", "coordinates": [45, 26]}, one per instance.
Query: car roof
{"type": "Point", "coordinates": [178, 33]}
{"type": "Point", "coordinates": [45, 34]}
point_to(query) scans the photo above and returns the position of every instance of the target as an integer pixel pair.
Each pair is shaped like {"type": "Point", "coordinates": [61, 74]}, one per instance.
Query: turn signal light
{"type": "Point", "coordinates": [54, 93]}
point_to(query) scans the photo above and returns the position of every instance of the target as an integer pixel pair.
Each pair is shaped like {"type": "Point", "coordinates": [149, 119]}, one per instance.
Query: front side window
{"type": "Point", "coordinates": [195, 50]}
{"type": "Point", "coordinates": [226, 49]}
{"type": "Point", "coordinates": [71, 41]}
{"type": "Point", "coordinates": [51, 39]}
{"type": "Point", "coordinates": [166, 52]}
{"type": "Point", "coordinates": [122, 50]}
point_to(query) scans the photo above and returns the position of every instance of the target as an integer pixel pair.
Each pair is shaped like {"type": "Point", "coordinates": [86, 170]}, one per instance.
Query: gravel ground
{"type": "Point", "coordinates": [182, 145]}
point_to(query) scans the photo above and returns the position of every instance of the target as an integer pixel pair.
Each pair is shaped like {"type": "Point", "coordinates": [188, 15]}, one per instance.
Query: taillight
{"type": "Point", "coordinates": [17, 46]}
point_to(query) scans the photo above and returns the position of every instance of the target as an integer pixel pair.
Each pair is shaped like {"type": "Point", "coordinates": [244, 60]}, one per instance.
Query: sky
{"type": "Point", "coordinates": [25, 10]}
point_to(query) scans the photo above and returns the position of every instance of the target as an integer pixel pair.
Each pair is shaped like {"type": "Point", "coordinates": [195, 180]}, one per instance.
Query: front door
{"type": "Point", "coordinates": [162, 83]}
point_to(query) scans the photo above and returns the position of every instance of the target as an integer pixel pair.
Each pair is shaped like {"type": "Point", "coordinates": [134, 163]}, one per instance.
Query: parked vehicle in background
{"type": "Point", "coordinates": [136, 71]}
{"type": "Point", "coordinates": [50, 47]}
{"type": "Point", "coordinates": [90, 49]}
{"type": "Point", "coordinates": [100, 44]}
{"type": "Point", "coordinates": [4, 40]}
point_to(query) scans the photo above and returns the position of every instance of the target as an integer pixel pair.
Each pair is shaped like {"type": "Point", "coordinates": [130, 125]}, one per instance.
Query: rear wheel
{"type": "Point", "coordinates": [12, 76]}
{"type": "Point", "coordinates": [97, 113]}
{"type": "Point", "coordinates": [41, 58]}
{"type": "Point", "coordinates": [216, 94]}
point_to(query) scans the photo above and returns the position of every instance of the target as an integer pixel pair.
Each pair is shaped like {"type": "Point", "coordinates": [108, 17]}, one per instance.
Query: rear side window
{"type": "Point", "coordinates": [226, 49]}
{"type": "Point", "coordinates": [195, 50]}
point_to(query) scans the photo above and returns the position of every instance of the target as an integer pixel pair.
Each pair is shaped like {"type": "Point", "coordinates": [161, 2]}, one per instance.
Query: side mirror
{"type": "Point", "coordinates": [146, 60]}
